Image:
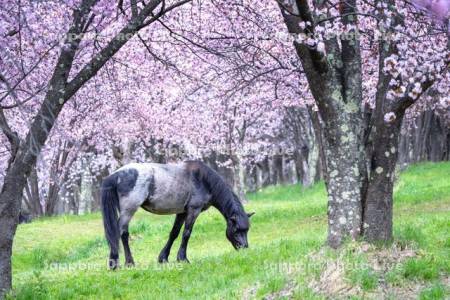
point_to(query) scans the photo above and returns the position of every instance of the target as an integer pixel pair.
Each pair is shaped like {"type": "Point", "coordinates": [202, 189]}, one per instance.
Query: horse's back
{"type": "Point", "coordinates": [159, 188]}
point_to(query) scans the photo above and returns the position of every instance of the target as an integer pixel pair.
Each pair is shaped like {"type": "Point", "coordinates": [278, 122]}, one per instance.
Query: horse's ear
{"type": "Point", "coordinates": [250, 214]}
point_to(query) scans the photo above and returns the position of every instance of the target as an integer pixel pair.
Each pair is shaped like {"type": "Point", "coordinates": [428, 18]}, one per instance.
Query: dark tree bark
{"type": "Point", "coordinates": [74, 198]}
{"type": "Point", "coordinates": [53, 186]}
{"type": "Point", "coordinates": [378, 203]}
{"type": "Point", "coordinates": [263, 178]}
{"type": "Point", "coordinates": [425, 138]}
{"type": "Point", "coordinates": [65, 156]}
{"type": "Point", "coordinates": [96, 190]}
{"type": "Point", "coordinates": [300, 131]}
{"type": "Point", "coordinates": [251, 178]}
{"type": "Point", "coordinates": [428, 143]}
{"type": "Point", "coordinates": [9, 214]}
{"type": "Point", "coordinates": [277, 169]}
{"type": "Point", "coordinates": [32, 199]}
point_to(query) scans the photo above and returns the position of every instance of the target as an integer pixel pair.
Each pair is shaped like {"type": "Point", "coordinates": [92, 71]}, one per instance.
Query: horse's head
{"type": "Point", "coordinates": [237, 227]}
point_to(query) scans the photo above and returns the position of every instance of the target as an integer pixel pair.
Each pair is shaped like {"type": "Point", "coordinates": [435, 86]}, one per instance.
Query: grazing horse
{"type": "Point", "coordinates": [184, 189]}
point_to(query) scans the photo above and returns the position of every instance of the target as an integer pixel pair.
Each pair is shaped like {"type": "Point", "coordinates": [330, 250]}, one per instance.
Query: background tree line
{"type": "Point", "coordinates": [70, 181]}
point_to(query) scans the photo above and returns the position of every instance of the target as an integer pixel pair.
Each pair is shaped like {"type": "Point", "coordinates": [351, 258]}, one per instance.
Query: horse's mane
{"type": "Point", "coordinates": [221, 192]}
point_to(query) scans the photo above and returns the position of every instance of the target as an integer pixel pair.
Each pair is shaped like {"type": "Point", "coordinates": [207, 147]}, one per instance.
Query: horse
{"type": "Point", "coordinates": [185, 189]}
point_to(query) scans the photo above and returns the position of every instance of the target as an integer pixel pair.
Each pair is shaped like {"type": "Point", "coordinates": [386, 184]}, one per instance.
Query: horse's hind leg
{"type": "Point", "coordinates": [124, 220]}
{"type": "Point", "coordinates": [164, 254]}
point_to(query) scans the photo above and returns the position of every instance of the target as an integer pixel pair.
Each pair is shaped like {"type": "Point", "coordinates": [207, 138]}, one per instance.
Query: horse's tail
{"type": "Point", "coordinates": [110, 207]}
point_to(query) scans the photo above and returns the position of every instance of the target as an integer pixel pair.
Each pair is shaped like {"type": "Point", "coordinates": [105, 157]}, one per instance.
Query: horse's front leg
{"type": "Point", "coordinates": [192, 214]}
{"type": "Point", "coordinates": [164, 255]}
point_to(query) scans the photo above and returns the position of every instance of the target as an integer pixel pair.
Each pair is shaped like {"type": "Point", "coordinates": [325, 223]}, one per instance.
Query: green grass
{"type": "Point", "coordinates": [366, 278]}
{"type": "Point", "coordinates": [437, 291]}
{"type": "Point", "coordinates": [65, 257]}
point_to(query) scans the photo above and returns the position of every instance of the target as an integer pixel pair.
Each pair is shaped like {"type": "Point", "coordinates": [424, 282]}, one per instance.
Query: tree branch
{"type": "Point", "coordinates": [133, 26]}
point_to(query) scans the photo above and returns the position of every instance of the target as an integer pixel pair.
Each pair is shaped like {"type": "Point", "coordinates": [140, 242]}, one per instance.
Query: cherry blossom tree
{"type": "Point", "coordinates": [362, 95]}
{"type": "Point", "coordinates": [46, 57]}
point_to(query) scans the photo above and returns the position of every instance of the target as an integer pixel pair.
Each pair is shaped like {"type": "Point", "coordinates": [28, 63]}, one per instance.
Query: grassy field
{"type": "Point", "coordinates": [65, 257]}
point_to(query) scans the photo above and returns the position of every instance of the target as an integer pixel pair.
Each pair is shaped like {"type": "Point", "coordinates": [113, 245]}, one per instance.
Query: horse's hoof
{"type": "Point", "coordinates": [163, 260]}
{"type": "Point", "coordinates": [183, 260]}
{"type": "Point", "coordinates": [129, 264]}
{"type": "Point", "coordinates": [113, 264]}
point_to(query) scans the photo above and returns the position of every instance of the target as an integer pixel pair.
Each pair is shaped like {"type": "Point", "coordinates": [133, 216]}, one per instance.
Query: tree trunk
{"type": "Point", "coordinates": [96, 188]}
{"type": "Point", "coordinates": [238, 171]}
{"type": "Point", "coordinates": [250, 178]}
{"type": "Point", "coordinates": [345, 161]}
{"type": "Point", "coordinates": [25, 159]}
{"type": "Point", "coordinates": [10, 202]}
{"type": "Point", "coordinates": [33, 197]}
{"type": "Point", "coordinates": [378, 206]}
{"type": "Point", "coordinates": [263, 173]}
{"type": "Point", "coordinates": [75, 197]}
{"type": "Point", "coordinates": [424, 138]}
{"type": "Point", "coordinates": [277, 169]}
{"type": "Point", "coordinates": [299, 166]}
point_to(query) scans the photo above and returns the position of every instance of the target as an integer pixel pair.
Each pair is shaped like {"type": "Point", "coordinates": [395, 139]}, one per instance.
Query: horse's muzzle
{"type": "Point", "coordinates": [240, 246]}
